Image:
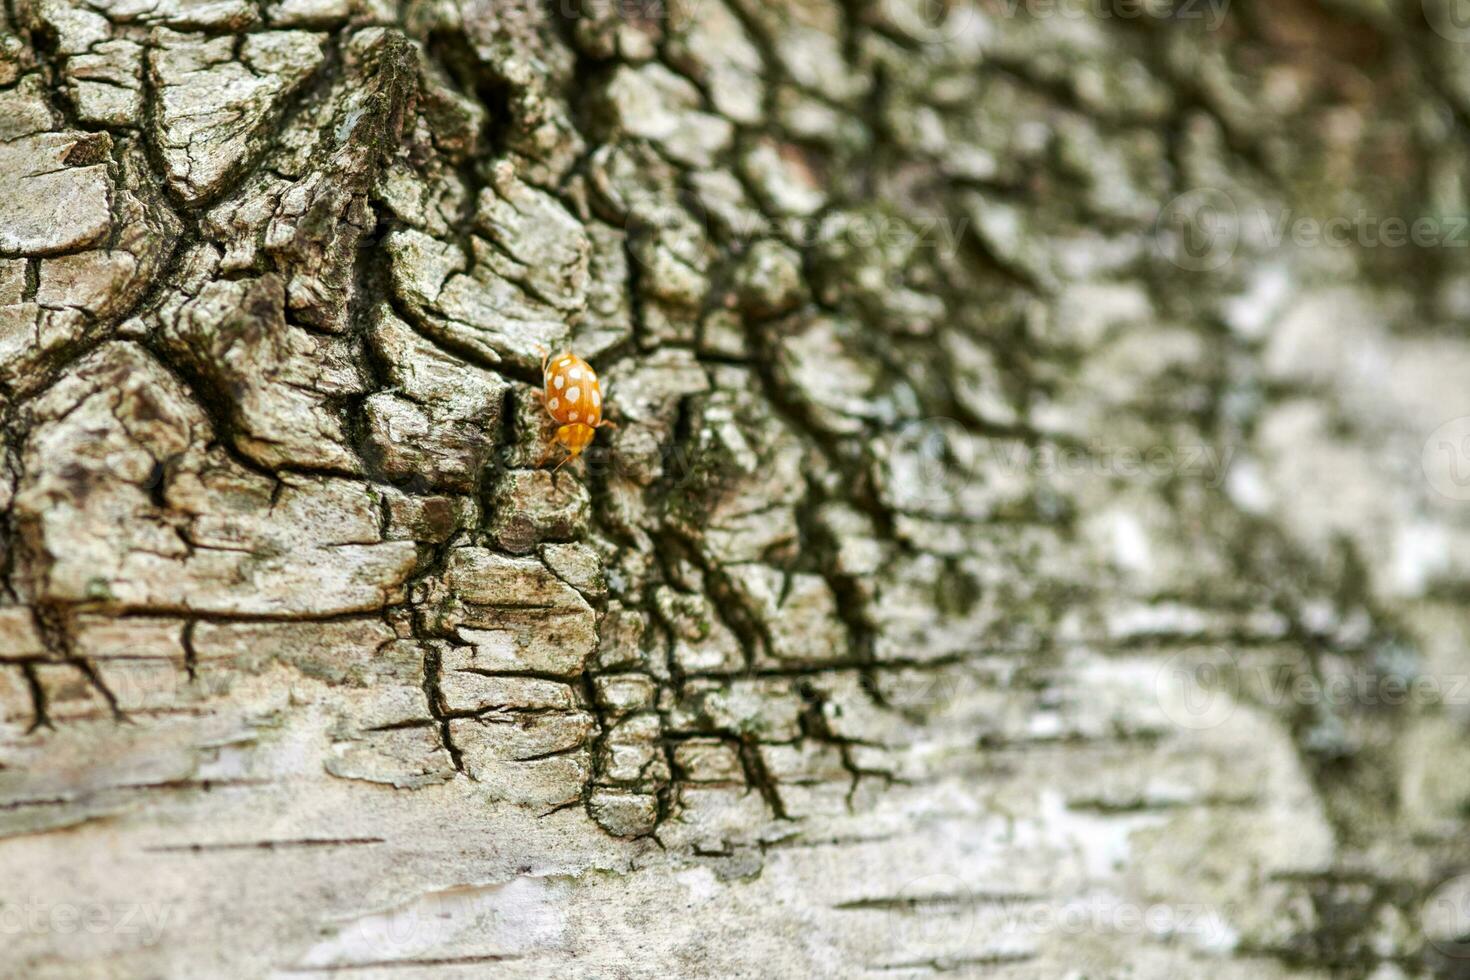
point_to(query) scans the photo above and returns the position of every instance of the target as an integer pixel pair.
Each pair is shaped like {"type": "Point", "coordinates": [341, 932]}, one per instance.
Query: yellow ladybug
{"type": "Point", "coordinates": [573, 397]}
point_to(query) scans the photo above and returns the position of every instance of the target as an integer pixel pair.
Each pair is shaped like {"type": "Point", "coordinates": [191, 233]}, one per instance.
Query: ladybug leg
{"type": "Point", "coordinates": [564, 461]}
{"type": "Point", "coordinates": [607, 424]}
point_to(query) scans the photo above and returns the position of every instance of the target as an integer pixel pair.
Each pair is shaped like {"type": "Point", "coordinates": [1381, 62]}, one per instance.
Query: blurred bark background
{"type": "Point", "coordinates": [1035, 543]}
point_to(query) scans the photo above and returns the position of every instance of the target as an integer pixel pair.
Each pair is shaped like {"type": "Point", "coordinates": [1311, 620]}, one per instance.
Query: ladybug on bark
{"type": "Point", "coordinates": [573, 397]}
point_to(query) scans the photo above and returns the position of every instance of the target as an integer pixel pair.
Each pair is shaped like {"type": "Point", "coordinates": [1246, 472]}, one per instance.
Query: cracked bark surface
{"type": "Point", "coordinates": [928, 612]}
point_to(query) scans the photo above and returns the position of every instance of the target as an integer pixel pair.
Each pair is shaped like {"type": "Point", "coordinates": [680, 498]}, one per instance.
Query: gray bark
{"type": "Point", "coordinates": [1024, 551]}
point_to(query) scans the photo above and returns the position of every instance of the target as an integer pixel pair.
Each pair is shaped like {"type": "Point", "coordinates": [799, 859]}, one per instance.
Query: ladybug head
{"type": "Point", "coordinates": [576, 437]}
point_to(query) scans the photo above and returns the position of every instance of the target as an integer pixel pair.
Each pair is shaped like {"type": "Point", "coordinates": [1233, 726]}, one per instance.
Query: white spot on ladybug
{"type": "Point", "coordinates": [573, 394]}
{"type": "Point", "coordinates": [596, 398]}
{"type": "Point", "coordinates": [573, 416]}
{"type": "Point", "coordinates": [575, 374]}
{"type": "Point", "coordinates": [559, 382]}
{"type": "Point", "coordinates": [555, 404]}
{"type": "Point", "coordinates": [565, 361]}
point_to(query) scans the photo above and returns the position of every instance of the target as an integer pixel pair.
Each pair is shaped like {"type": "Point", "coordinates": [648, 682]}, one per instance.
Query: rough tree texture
{"type": "Point", "coordinates": [954, 595]}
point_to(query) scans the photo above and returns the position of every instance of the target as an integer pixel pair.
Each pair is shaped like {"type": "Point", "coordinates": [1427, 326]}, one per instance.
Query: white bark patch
{"type": "Point", "coordinates": [511, 919]}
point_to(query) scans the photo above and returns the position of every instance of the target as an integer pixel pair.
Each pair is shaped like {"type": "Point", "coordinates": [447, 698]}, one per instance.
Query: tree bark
{"type": "Point", "coordinates": [1033, 542]}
